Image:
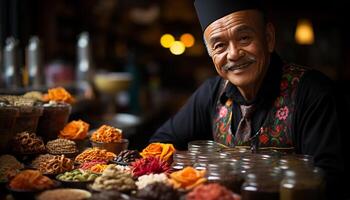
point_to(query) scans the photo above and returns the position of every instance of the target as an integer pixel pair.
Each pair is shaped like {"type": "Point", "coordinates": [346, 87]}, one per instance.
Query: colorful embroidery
{"type": "Point", "coordinates": [223, 123]}
{"type": "Point", "coordinates": [282, 113]}
{"type": "Point", "coordinates": [276, 130]}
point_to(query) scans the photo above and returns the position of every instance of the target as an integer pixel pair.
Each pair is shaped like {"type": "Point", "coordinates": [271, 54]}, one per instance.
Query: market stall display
{"type": "Point", "coordinates": [207, 170]}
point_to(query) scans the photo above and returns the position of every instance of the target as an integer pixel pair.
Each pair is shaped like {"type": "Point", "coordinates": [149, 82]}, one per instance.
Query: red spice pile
{"type": "Point", "coordinates": [149, 165]}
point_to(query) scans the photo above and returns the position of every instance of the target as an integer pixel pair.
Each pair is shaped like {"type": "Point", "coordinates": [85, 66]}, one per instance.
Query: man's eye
{"type": "Point", "coordinates": [245, 39]}
{"type": "Point", "coordinates": [218, 46]}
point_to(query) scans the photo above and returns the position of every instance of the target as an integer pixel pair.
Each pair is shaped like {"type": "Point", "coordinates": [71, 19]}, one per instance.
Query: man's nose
{"type": "Point", "coordinates": [233, 53]}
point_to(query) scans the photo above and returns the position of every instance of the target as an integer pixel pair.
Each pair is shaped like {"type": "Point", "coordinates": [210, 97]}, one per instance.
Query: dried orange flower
{"type": "Point", "coordinates": [107, 134]}
{"type": "Point", "coordinates": [75, 130]}
{"type": "Point", "coordinates": [187, 178]}
{"type": "Point", "coordinates": [161, 150]}
{"type": "Point", "coordinates": [60, 94]}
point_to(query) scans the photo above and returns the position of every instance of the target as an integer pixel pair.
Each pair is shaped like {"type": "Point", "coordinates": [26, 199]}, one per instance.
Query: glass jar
{"type": "Point", "coordinates": [260, 186]}
{"type": "Point", "coordinates": [302, 185]}
{"type": "Point", "coordinates": [225, 174]}
{"type": "Point", "coordinates": [296, 160]}
{"type": "Point", "coordinates": [182, 159]}
{"type": "Point", "coordinates": [203, 146]}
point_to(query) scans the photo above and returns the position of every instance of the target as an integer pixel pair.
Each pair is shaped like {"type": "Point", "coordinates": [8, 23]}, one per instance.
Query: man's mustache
{"type": "Point", "coordinates": [236, 65]}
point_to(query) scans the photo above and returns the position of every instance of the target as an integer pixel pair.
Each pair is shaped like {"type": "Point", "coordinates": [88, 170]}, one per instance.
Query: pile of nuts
{"type": "Point", "coordinates": [61, 146]}
{"type": "Point", "coordinates": [113, 179]}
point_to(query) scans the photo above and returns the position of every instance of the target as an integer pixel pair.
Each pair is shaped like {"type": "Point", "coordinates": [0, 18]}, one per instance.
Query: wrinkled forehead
{"type": "Point", "coordinates": [246, 20]}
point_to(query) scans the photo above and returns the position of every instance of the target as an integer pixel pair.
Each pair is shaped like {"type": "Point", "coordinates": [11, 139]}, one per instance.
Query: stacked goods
{"type": "Point", "coordinates": [61, 146]}
{"type": "Point", "coordinates": [27, 143]}
{"type": "Point", "coordinates": [206, 171]}
{"type": "Point", "coordinates": [77, 176]}
{"type": "Point", "coordinates": [51, 164]}
{"type": "Point", "coordinates": [92, 154]}
{"type": "Point", "coordinates": [145, 180]}
{"type": "Point", "coordinates": [107, 134]}
{"type": "Point", "coordinates": [113, 179]}
{"type": "Point", "coordinates": [109, 138]}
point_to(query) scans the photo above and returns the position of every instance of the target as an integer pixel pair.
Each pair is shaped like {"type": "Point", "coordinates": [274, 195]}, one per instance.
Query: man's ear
{"type": "Point", "coordinates": [270, 36]}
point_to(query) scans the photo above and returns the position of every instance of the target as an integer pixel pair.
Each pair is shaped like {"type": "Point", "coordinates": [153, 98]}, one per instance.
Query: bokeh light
{"type": "Point", "coordinates": [177, 48]}
{"type": "Point", "coordinates": [167, 40]}
{"type": "Point", "coordinates": [187, 39]}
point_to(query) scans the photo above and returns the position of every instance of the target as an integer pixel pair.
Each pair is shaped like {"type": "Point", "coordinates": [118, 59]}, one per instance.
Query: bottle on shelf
{"type": "Point", "coordinates": [84, 61]}
{"type": "Point", "coordinates": [34, 64]}
{"type": "Point", "coordinates": [11, 71]}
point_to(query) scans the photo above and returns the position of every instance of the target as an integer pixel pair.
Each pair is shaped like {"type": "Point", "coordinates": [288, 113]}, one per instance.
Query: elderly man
{"type": "Point", "coordinates": [257, 100]}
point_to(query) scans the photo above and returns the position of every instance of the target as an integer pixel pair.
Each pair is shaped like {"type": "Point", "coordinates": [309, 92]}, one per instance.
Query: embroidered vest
{"type": "Point", "coordinates": [276, 129]}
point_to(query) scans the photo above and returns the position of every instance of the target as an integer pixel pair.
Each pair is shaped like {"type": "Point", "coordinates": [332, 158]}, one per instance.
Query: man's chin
{"type": "Point", "coordinates": [239, 81]}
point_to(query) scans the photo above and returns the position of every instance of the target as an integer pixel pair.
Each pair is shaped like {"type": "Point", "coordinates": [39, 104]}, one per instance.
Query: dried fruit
{"type": "Point", "coordinates": [187, 178]}
{"type": "Point", "coordinates": [127, 156]}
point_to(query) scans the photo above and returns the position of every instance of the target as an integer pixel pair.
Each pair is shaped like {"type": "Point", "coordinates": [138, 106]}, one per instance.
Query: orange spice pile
{"type": "Point", "coordinates": [107, 134]}
{"type": "Point", "coordinates": [94, 154]}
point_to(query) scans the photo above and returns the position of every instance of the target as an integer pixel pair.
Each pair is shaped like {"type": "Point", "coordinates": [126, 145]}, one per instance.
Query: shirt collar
{"type": "Point", "coordinates": [268, 90]}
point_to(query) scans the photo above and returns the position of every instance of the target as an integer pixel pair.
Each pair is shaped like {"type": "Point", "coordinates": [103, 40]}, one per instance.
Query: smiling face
{"type": "Point", "coordinates": [240, 45]}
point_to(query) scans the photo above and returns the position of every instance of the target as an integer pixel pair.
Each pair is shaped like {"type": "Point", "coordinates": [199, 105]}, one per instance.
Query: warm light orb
{"type": "Point", "coordinates": [304, 33]}
{"type": "Point", "coordinates": [177, 48]}
{"type": "Point", "coordinates": [187, 39]}
{"type": "Point", "coordinates": [167, 40]}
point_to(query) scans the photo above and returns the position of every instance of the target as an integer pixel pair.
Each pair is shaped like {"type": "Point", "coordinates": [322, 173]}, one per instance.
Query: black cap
{"type": "Point", "coordinates": [209, 11]}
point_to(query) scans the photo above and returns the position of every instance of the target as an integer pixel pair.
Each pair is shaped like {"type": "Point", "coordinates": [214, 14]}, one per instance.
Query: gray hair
{"type": "Point", "coordinates": [206, 46]}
